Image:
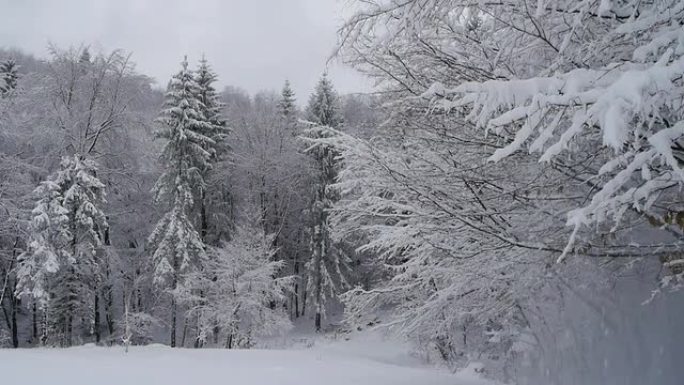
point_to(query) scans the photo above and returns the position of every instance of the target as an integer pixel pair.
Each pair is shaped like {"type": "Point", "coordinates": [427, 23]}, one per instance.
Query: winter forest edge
{"type": "Point", "coordinates": [511, 195]}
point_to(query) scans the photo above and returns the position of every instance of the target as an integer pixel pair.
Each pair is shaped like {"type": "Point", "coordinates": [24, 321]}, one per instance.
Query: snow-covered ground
{"type": "Point", "coordinates": [355, 362]}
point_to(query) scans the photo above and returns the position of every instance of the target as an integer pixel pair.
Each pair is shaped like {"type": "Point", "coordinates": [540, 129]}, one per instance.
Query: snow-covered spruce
{"type": "Point", "coordinates": [61, 271]}
{"type": "Point", "coordinates": [178, 247]}
{"type": "Point", "coordinates": [216, 187]}
{"type": "Point", "coordinates": [329, 263]}
{"type": "Point", "coordinates": [9, 76]}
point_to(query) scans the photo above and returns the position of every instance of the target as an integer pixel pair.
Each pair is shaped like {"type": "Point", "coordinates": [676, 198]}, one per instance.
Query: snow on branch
{"type": "Point", "coordinates": [634, 107]}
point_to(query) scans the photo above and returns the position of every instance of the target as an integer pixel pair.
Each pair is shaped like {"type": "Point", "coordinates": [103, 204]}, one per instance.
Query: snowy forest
{"type": "Point", "coordinates": [508, 200]}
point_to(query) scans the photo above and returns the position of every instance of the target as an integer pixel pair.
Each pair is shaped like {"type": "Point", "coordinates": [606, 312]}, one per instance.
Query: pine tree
{"type": "Point", "coordinates": [328, 262]}
{"type": "Point", "coordinates": [178, 247]}
{"type": "Point", "coordinates": [60, 270]}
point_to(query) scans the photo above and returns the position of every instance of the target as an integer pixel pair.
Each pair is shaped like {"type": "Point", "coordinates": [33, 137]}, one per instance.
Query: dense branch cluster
{"type": "Point", "coordinates": [519, 134]}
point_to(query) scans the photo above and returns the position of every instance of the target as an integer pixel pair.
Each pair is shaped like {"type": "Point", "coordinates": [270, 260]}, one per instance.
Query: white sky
{"type": "Point", "coordinates": [253, 44]}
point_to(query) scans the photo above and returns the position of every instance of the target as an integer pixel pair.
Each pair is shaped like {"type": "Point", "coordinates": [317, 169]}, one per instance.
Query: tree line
{"type": "Point", "coordinates": [132, 213]}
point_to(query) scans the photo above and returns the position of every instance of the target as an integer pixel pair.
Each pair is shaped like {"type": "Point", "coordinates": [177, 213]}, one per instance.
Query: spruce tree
{"type": "Point", "coordinates": [83, 199]}
{"type": "Point", "coordinates": [328, 261]}
{"type": "Point", "coordinates": [9, 76]}
{"type": "Point", "coordinates": [85, 56]}
{"type": "Point", "coordinates": [323, 107]}
{"type": "Point", "coordinates": [49, 238]}
{"type": "Point", "coordinates": [45, 254]}
{"type": "Point", "coordinates": [287, 108]}
{"type": "Point", "coordinates": [60, 269]}
{"type": "Point", "coordinates": [210, 111]}
{"type": "Point", "coordinates": [178, 247]}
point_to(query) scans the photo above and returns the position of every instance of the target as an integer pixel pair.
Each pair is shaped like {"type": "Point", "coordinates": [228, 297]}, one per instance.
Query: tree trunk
{"type": "Point", "coordinates": [108, 289]}
{"type": "Point", "coordinates": [199, 342]}
{"type": "Point", "coordinates": [262, 201]}
{"type": "Point", "coordinates": [318, 321]}
{"type": "Point", "coordinates": [138, 293]}
{"type": "Point", "coordinates": [303, 303]}
{"type": "Point", "coordinates": [204, 224]}
{"type": "Point", "coordinates": [217, 330]}
{"type": "Point", "coordinates": [97, 318]}
{"type": "Point", "coordinates": [185, 331]}
{"type": "Point", "coordinates": [318, 278]}
{"type": "Point", "coordinates": [69, 329]}
{"type": "Point", "coordinates": [34, 331]}
{"type": "Point", "coordinates": [72, 297]}
{"type": "Point", "coordinates": [70, 310]}
{"type": "Point", "coordinates": [174, 285]}
{"type": "Point", "coordinates": [45, 325]}
{"type": "Point", "coordinates": [229, 341]}
{"type": "Point", "coordinates": [14, 301]}
{"type": "Point", "coordinates": [295, 265]}
{"type": "Point", "coordinates": [109, 316]}
{"type": "Point", "coordinates": [173, 322]}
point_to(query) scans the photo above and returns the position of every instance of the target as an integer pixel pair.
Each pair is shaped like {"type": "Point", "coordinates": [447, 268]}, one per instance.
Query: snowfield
{"type": "Point", "coordinates": [337, 363]}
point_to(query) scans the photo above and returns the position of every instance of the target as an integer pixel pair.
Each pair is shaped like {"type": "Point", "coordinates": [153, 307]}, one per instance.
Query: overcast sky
{"type": "Point", "coordinates": [253, 44]}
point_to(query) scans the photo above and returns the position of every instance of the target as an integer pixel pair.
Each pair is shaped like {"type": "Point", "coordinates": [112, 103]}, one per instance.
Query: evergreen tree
{"type": "Point", "coordinates": [210, 111]}
{"type": "Point", "coordinates": [83, 199]}
{"type": "Point", "coordinates": [178, 247]}
{"type": "Point", "coordinates": [328, 261]}
{"type": "Point", "coordinates": [46, 251]}
{"type": "Point", "coordinates": [323, 107]}
{"type": "Point", "coordinates": [85, 56]}
{"type": "Point", "coordinates": [60, 270]}
{"type": "Point", "coordinates": [9, 76]}
{"type": "Point", "coordinates": [48, 242]}
{"type": "Point", "coordinates": [287, 108]}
